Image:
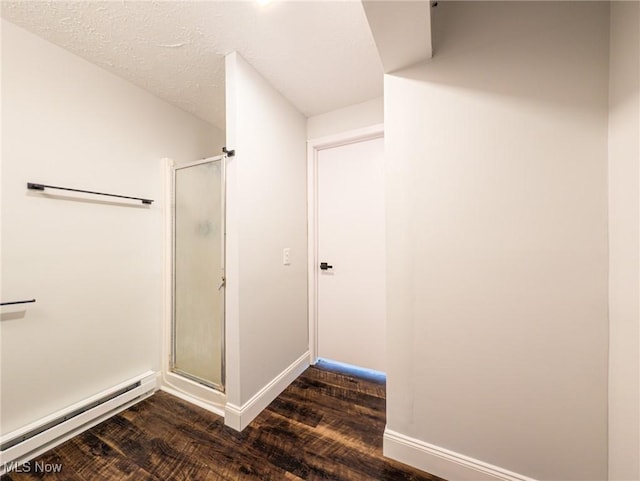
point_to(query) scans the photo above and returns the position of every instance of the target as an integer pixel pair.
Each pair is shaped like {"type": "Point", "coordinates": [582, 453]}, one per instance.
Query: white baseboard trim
{"type": "Point", "coordinates": [239, 417]}
{"type": "Point", "coordinates": [443, 462]}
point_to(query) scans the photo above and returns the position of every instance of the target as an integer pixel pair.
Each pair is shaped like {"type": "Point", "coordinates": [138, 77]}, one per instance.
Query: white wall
{"type": "Point", "coordinates": [353, 117]}
{"type": "Point", "coordinates": [497, 239]}
{"type": "Point", "coordinates": [401, 30]}
{"type": "Point", "coordinates": [624, 286]}
{"type": "Point", "coordinates": [94, 266]}
{"type": "Point", "coordinates": [266, 302]}
{"type": "Point", "coordinates": [217, 139]}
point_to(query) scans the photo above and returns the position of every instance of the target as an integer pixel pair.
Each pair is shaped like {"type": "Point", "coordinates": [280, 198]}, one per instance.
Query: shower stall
{"type": "Point", "coordinates": [198, 248]}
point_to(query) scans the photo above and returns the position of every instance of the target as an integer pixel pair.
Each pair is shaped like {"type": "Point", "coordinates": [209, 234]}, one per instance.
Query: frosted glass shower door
{"type": "Point", "coordinates": [198, 277]}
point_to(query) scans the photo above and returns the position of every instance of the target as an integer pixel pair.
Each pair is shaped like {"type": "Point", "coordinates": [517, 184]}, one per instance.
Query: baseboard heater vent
{"type": "Point", "coordinates": [32, 440]}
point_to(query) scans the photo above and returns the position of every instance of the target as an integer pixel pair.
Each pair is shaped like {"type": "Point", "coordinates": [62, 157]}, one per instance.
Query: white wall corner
{"type": "Point", "coordinates": [401, 30]}
{"type": "Point", "coordinates": [157, 381]}
{"type": "Point", "coordinates": [239, 417]}
{"type": "Point", "coordinates": [356, 116]}
{"type": "Point", "coordinates": [443, 462]}
{"type": "Point", "coordinates": [232, 220]}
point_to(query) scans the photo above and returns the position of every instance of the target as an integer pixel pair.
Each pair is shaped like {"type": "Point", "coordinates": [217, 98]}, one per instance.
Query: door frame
{"type": "Point", "coordinates": [172, 328]}
{"type": "Point", "coordinates": [314, 146]}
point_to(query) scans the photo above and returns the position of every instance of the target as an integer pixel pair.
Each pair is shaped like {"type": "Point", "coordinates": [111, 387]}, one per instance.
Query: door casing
{"type": "Point", "coordinates": [172, 351]}
{"type": "Point", "coordinates": [313, 147]}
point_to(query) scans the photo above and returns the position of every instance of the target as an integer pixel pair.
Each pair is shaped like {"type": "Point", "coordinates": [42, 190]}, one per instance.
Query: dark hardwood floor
{"type": "Point", "coordinates": [325, 426]}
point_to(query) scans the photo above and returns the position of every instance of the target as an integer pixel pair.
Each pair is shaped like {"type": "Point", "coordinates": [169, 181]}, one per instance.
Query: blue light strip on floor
{"type": "Point", "coordinates": [351, 370]}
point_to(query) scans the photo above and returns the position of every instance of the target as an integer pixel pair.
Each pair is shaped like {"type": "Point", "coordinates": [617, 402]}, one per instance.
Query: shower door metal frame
{"type": "Point", "coordinates": [223, 213]}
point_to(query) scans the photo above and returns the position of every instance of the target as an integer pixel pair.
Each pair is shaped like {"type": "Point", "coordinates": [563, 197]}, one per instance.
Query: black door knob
{"type": "Point", "coordinates": [324, 266]}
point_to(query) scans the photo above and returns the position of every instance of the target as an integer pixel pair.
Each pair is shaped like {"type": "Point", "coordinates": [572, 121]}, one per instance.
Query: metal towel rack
{"type": "Point", "coordinates": [33, 186]}
{"type": "Point", "coordinates": [16, 302]}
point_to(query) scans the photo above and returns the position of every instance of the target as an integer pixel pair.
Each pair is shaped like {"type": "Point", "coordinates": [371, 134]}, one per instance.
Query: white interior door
{"type": "Point", "coordinates": [351, 239]}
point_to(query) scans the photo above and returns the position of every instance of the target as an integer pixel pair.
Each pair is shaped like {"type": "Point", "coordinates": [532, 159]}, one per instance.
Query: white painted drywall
{"type": "Point", "coordinates": [266, 301]}
{"type": "Point", "coordinates": [94, 266]}
{"type": "Point", "coordinates": [218, 139]}
{"type": "Point", "coordinates": [624, 285]}
{"type": "Point", "coordinates": [354, 117]}
{"type": "Point", "coordinates": [497, 238]}
{"type": "Point", "coordinates": [401, 30]}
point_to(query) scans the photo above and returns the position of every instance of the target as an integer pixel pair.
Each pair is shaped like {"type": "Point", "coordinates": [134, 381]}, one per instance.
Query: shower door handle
{"type": "Point", "coordinates": [222, 284]}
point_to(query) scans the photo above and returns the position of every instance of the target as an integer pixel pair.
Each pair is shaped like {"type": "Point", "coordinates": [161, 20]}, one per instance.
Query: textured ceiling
{"type": "Point", "coordinates": [319, 54]}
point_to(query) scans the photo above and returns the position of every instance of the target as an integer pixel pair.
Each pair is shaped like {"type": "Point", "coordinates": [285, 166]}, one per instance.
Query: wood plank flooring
{"type": "Point", "coordinates": [326, 426]}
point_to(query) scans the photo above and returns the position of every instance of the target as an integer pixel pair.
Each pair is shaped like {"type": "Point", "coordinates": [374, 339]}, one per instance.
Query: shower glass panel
{"type": "Point", "coordinates": [198, 272]}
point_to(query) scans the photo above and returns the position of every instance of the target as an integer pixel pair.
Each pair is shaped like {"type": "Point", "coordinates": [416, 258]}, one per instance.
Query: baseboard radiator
{"type": "Point", "coordinates": [26, 443]}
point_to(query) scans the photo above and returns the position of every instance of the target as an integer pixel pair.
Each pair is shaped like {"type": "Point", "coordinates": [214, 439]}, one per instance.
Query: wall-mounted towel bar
{"type": "Point", "coordinates": [32, 186]}
{"type": "Point", "coordinates": [16, 302]}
